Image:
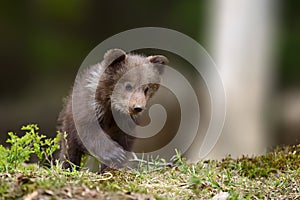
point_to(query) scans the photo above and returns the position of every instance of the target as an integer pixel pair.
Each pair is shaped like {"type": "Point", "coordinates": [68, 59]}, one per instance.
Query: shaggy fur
{"type": "Point", "coordinates": [93, 91]}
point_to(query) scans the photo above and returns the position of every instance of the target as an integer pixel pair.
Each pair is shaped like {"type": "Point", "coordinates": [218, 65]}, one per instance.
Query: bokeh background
{"type": "Point", "coordinates": [42, 44]}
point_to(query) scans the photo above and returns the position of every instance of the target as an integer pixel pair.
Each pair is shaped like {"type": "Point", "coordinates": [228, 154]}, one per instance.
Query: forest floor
{"type": "Point", "coordinates": [275, 175]}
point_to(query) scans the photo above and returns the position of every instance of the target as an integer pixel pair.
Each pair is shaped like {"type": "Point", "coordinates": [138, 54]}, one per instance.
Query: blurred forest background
{"type": "Point", "coordinates": [42, 44]}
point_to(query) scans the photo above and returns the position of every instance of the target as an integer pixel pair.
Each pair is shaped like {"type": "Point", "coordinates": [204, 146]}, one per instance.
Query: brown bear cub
{"type": "Point", "coordinates": [112, 86]}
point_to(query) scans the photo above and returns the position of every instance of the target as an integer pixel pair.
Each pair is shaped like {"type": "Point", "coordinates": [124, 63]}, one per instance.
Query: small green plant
{"type": "Point", "coordinates": [21, 148]}
{"type": "Point", "coordinates": [178, 159]}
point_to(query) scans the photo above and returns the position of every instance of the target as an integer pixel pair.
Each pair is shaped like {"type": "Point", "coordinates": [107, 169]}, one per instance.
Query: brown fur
{"type": "Point", "coordinates": [129, 99]}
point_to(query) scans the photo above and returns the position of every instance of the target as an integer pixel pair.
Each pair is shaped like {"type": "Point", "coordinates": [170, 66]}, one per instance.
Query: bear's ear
{"type": "Point", "coordinates": [160, 60]}
{"type": "Point", "coordinates": [114, 56]}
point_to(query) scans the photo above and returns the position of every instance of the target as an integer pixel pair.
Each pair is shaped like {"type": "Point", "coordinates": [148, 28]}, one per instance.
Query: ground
{"type": "Point", "coordinates": [275, 175]}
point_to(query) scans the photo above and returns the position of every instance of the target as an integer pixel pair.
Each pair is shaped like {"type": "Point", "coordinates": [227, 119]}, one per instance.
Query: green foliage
{"type": "Point", "coordinates": [21, 148]}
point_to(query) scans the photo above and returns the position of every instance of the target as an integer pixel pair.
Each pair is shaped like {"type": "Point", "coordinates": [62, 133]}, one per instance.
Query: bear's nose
{"type": "Point", "coordinates": [137, 108]}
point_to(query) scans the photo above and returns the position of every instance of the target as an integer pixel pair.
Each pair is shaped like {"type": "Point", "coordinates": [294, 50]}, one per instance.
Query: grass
{"type": "Point", "coordinates": [274, 175]}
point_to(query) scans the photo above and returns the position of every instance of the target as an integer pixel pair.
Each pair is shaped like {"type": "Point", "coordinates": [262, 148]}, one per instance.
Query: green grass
{"type": "Point", "coordinates": [274, 175]}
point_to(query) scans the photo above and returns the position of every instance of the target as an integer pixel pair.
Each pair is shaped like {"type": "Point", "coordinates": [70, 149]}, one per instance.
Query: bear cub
{"type": "Point", "coordinates": [121, 85]}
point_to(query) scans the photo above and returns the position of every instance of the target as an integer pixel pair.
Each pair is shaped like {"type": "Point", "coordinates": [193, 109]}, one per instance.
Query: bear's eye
{"type": "Point", "coordinates": [128, 87]}
{"type": "Point", "coordinates": [146, 90]}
